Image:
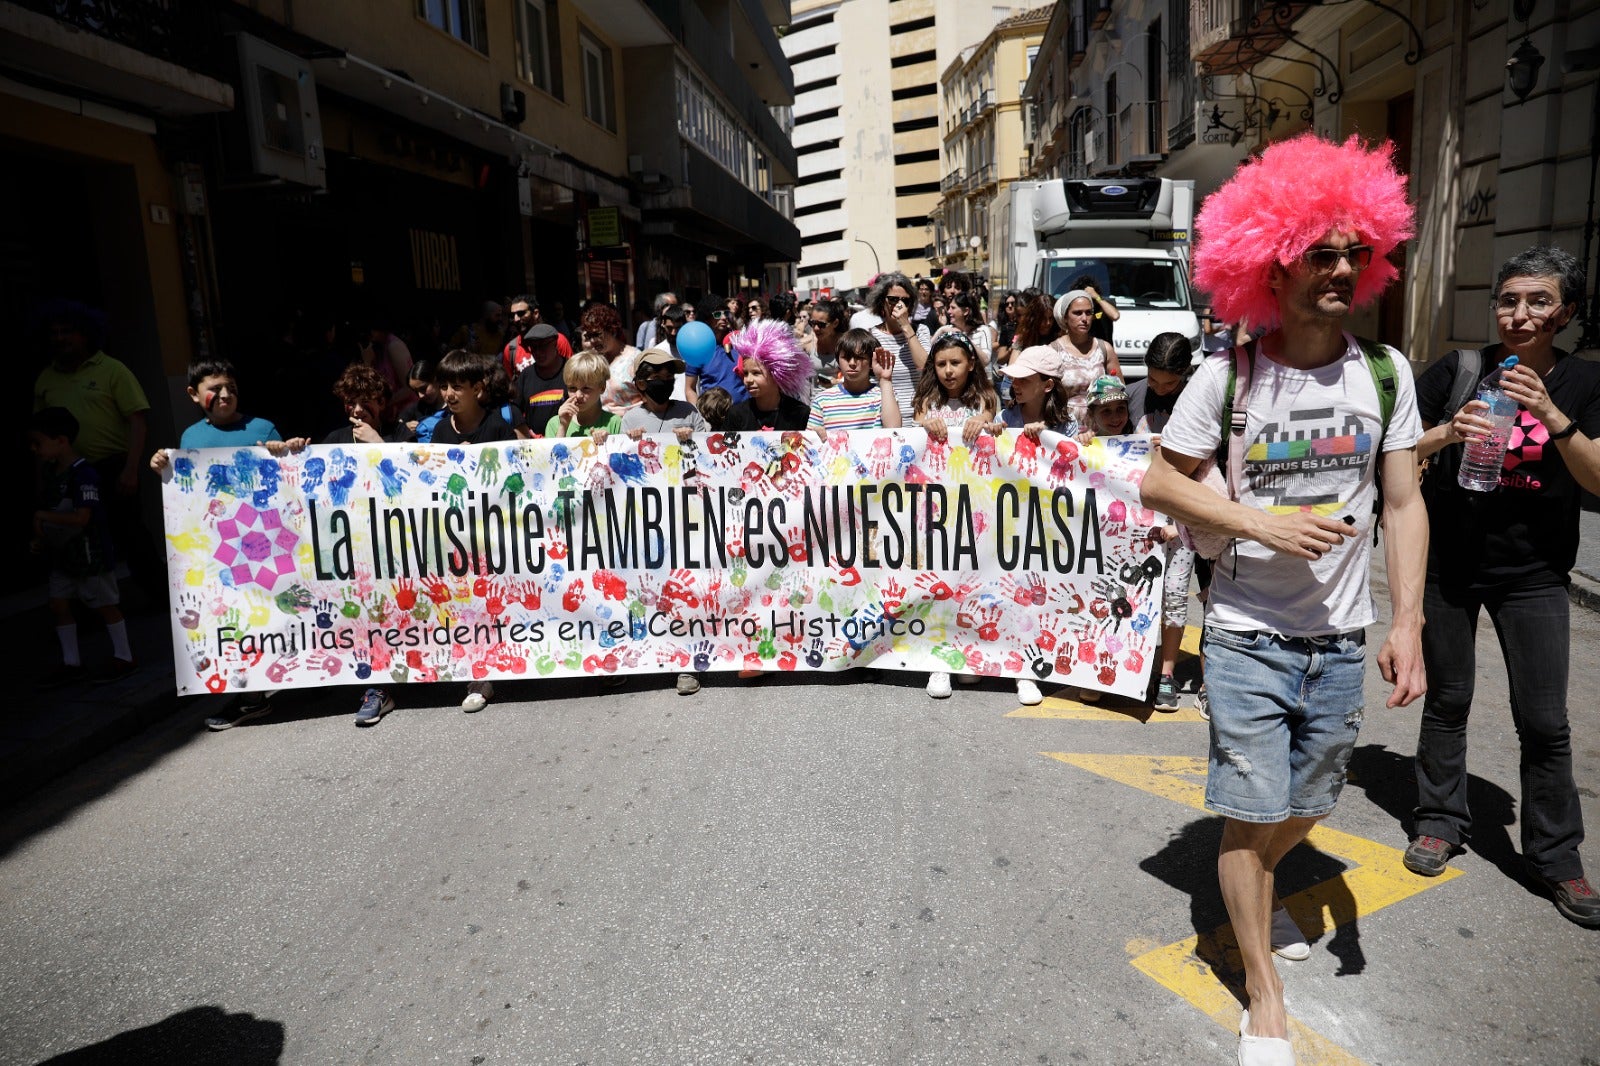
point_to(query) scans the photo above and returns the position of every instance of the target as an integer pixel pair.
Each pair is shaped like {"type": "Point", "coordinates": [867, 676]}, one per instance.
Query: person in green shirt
{"type": "Point", "coordinates": [581, 415]}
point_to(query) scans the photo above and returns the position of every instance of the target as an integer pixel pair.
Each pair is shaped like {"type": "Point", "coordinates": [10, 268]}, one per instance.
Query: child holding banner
{"type": "Point", "coordinates": [777, 376]}
{"type": "Point", "coordinates": [587, 374]}
{"type": "Point", "coordinates": [1038, 402]}
{"type": "Point", "coordinates": [955, 390]}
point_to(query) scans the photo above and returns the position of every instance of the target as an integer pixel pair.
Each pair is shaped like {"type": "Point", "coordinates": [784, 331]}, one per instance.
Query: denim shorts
{"type": "Point", "coordinates": [1285, 712]}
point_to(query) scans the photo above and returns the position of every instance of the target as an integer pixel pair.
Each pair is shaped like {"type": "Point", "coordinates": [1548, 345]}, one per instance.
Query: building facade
{"type": "Point", "coordinates": [867, 131]}
{"type": "Point", "coordinates": [981, 116]}
{"type": "Point", "coordinates": [1491, 106]}
{"type": "Point", "coordinates": [280, 167]}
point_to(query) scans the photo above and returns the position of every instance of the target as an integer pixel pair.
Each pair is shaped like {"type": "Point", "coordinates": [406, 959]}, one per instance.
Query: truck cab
{"type": "Point", "coordinates": [1130, 236]}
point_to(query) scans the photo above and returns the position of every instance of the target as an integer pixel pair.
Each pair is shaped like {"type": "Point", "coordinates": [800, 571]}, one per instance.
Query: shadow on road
{"type": "Point", "coordinates": [1189, 864]}
{"type": "Point", "coordinates": [199, 1036]}
{"type": "Point", "coordinates": [1389, 779]}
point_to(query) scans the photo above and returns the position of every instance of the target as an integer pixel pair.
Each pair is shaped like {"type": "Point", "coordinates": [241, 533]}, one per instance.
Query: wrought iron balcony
{"type": "Point", "coordinates": [1229, 36]}
{"type": "Point", "coordinates": [981, 178]}
{"type": "Point", "coordinates": [952, 180]}
{"type": "Point", "coordinates": [174, 30]}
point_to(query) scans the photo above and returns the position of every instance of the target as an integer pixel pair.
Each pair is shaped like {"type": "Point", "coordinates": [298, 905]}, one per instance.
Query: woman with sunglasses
{"type": "Point", "coordinates": [1509, 551]}
{"type": "Point", "coordinates": [1005, 325]}
{"type": "Point", "coordinates": [890, 299]}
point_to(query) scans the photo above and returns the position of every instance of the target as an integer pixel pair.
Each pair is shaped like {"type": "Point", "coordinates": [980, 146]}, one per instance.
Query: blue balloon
{"type": "Point", "coordinates": [696, 343]}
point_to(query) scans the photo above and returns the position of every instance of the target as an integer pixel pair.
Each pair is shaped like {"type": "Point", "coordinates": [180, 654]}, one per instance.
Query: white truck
{"type": "Point", "coordinates": [1130, 235]}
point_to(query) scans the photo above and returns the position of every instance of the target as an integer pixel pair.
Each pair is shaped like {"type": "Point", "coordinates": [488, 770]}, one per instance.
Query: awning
{"type": "Point", "coordinates": [368, 82]}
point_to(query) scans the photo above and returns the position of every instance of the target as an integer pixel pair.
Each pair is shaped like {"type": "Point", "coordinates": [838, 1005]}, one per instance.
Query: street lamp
{"type": "Point", "coordinates": [877, 268]}
{"type": "Point", "coordinates": [1523, 69]}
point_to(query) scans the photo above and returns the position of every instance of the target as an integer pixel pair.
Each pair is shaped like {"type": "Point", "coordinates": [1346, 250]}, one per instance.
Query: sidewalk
{"type": "Point", "coordinates": [44, 733]}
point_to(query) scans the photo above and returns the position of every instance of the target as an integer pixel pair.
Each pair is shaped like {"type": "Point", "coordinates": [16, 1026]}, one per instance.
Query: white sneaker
{"type": "Point", "coordinates": [688, 684]}
{"type": "Point", "coordinates": [1028, 693]}
{"type": "Point", "coordinates": [479, 693]}
{"type": "Point", "coordinates": [939, 686]}
{"type": "Point", "coordinates": [1288, 942]}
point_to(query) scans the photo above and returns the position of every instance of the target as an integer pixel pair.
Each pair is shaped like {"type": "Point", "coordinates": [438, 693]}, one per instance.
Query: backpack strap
{"type": "Point", "coordinates": [1464, 385]}
{"type": "Point", "coordinates": [1236, 415]}
{"type": "Point", "coordinates": [1380, 364]}
{"type": "Point", "coordinates": [425, 428]}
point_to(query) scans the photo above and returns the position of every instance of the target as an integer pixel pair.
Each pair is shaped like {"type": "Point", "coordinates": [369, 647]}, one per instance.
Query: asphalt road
{"type": "Point", "coordinates": [786, 872]}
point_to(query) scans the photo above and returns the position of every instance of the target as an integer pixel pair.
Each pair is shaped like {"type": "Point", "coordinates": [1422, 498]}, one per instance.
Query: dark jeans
{"type": "Point", "coordinates": [1533, 627]}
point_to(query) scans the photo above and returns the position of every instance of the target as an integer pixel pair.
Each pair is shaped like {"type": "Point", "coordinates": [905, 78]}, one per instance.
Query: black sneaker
{"type": "Point", "coordinates": [249, 706]}
{"type": "Point", "coordinates": [1428, 856]}
{"type": "Point", "coordinates": [1577, 901]}
{"type": "Point", "coordinates": [1202, 703]}
{"type": "Point", "coordinates": [1166, 694]}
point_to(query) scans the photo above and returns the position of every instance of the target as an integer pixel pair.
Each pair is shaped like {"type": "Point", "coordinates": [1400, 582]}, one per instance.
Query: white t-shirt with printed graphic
{"type": "Point", "coordinates": [1311, 444]}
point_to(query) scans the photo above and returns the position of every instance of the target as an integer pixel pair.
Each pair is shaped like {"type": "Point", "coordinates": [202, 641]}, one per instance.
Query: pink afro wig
{"type": "Point", "coordinates": [771, 343]}
{"type": "Point", "coordinates": [1277, 206]}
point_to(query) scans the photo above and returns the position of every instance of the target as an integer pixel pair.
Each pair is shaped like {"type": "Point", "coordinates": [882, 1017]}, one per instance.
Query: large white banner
{"type": "Point", "coordinates": [774, 551]}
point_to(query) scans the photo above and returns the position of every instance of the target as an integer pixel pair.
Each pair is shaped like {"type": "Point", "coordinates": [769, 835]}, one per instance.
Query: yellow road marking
{"type": "Point", "coordinates": [1115, 709]}
{"type": "Point", "coordinates": [1376, 879]}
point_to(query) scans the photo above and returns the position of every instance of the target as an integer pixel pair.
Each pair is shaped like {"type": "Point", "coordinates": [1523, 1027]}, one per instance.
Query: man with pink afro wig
{"type": "Point", "coordinates": [1293, 242]}
{"type": "Point", "coordinates": [1278, 206]}
{"type": "Point", "coordinates": [776, 372]}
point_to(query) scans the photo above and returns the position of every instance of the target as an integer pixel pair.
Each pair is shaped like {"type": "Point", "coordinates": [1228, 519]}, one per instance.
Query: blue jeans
{"type": "Point", "coordinates": [1533, 625]}
{"type": "Point", "coordinates": [1285, 712]}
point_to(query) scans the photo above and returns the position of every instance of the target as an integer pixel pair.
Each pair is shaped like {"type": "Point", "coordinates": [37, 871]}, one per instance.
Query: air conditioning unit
{"type": "Point", "coordinates": [281, 135]}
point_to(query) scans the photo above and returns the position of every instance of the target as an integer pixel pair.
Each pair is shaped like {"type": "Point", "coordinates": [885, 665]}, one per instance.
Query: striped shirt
{"type": "Point", "coordinates": [906, 371]}
{"type": "Point", "coordinates": [838, 408]}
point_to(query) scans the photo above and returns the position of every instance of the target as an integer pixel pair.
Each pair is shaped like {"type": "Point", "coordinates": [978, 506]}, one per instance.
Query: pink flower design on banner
{"type": "Point", "coordinates": [257, 548]}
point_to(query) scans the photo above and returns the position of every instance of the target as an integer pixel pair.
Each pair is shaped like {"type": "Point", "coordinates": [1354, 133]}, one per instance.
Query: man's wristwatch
{"type": "Point", "coordinates": [1571, 428]}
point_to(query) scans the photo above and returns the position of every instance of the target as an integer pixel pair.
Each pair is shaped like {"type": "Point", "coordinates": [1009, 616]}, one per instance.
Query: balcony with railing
{"type": "Point", "coordinates": [174, 30]}
{"type": "Point", "coordinates": [955, 245]}
{"type": "Point", "coordinates": [952, 181]}
{"type": "Point", "coordinates": [1230, 36]}
{"type": "Point", "coordinates": [982, 177]}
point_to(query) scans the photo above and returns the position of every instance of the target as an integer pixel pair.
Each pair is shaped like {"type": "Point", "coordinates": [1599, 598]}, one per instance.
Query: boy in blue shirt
{"type": "Point", "coordinates": [214, 388]}
{"type": "Point", "coordinates": [71, 531]}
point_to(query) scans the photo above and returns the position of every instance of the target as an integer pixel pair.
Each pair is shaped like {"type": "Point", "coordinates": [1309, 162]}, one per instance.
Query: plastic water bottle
{"type": "Point", "coordinates": [1480, 466]}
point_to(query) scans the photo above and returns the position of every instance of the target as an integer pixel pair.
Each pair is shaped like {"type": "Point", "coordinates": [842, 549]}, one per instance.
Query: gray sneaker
{"type": "Point", "coordinates": [375, 703]}
{"type": "Point", "coordinates": [1202, 703]}
{"type": "Point", "coordinates": [688, 684]}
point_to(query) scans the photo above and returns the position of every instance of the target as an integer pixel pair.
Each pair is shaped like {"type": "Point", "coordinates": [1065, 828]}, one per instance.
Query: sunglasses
{"type": "Point", "coordinates": [1324, 260]}
{"type": "Point", "coordinates": [896, 300]}
{"type": "Point", "coordinates": [719, 316]}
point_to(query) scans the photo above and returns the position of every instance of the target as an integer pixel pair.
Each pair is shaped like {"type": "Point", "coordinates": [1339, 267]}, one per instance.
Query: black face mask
{"type": "Point", "coordinates": [659, 390]}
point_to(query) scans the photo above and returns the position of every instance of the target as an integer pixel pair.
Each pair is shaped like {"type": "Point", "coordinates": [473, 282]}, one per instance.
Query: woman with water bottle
{"type": "Point", "coordinates": [1504, 534]}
